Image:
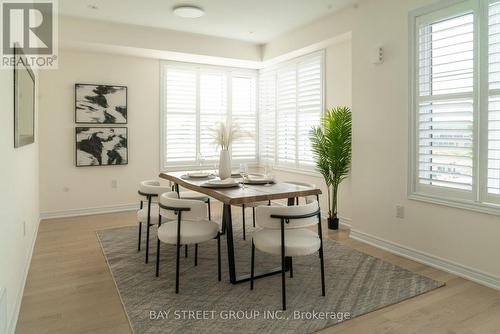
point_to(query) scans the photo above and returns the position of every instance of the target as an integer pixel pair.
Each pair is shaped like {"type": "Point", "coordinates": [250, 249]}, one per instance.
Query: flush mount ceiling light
{"type": "Point", "coordinates": [189, 12]}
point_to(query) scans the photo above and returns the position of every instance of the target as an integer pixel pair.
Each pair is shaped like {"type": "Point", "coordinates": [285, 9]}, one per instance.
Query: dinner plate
{"type": "Point", "coordinates": [187, 177]}
{"type": "Point", "coordinates": [258, 181]}
{"type": "Point", "coordinates": [198, 175]}
{"type": "Point", "coordinates": [227, 183]}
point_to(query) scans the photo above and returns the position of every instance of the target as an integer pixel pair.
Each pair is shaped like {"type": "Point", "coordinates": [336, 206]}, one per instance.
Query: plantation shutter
{"type": "Point", "coordinates": [493, 179]}
{"type": "Point", "coordinates": [267, 116]}
{"type": "Point", "coordinates": [180, 121]}
{"type": "Point", "coordinates": [445, 81]}
{"type": "Point", "coordinates": [244, 114]}
{"type": "Point", "coordinates": [213, 110]}
{"type": "Point", "coordinates": [286, 107]}
{"type": "Point", "coordinates": [309, 105]}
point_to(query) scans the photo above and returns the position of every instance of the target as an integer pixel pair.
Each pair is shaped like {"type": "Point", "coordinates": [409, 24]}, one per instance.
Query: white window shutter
{"type": "Point", "coordinates": [286, 107]}
{"type": "Point", "coordinates": [213, 110]}
{"type": "Point", "coordinates": [267, 116]}
{"type": "Point", "coordinates": [309, 105]}
{"type": "Point", "coordinates": [244, 114]}
{"type": "Point", "coordinates": [180, 121]}
{"type": "Point", "coordinates": [445, 102]}
{"type": "Point", "coordinates": [493, 177]}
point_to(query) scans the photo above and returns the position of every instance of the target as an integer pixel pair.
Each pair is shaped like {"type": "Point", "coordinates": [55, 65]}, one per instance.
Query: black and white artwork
{"type": "Point", "coordinates": [100, 104]}
{"type": "Point", "coordinates": [101, 146]}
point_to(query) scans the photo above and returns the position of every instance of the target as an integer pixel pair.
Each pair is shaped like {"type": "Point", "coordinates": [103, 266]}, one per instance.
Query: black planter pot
{"type": "Point", "coordinates": [333, 223]}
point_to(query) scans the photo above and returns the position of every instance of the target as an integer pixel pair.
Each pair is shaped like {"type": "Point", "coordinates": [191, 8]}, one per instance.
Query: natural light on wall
{"type": "Point", "coordinates": [456, 105]}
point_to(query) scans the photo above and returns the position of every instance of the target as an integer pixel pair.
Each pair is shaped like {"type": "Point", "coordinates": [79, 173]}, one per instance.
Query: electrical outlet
{"type": "Point", "coordinates": [114, 184]}
{"type": "Point", "coordinates": [400, 211]}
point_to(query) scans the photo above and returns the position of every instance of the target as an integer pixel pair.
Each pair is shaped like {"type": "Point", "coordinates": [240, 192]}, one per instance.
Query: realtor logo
{"type": "Point", "coordinates": [29, 28]}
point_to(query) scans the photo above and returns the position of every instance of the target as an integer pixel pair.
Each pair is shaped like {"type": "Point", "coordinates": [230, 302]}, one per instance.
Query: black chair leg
{"type": "Point", "coordinates": [253, 211]}
{"type": "Point", "coordinates": [290, 266]}
{"type": "Point", "coordinates": [209, 210]}
{"type": "Point", "coordinates": [195, 255]}
{"type": "Point", "coordinates": [283, 286]}
{"type": "Point", "coordinates": [218, 257]}
{"type": "Point", "coordinates": [139, 243]}
{"type": "Point", "coordinates": [177, 269]}
{"type": "Point", "coordinates": [148, 226]}
{"type": "Point", "coordinates": [252, 266]}
{"type": "Point", "coordinates": [243, 214]}
{"type": "Point", "coordinates": [147, 243]}
{"type": "Point", "coordinates": [158, 258]}
{"type": "Point", "coordinates": [185, 250]}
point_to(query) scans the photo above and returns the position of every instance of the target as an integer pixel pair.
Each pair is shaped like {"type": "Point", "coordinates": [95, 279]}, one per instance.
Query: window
{"type": "Point", "coordinates": [455, 120]}
{"type": "Point", "coordinates": [194, 99]}
{"type": "Point", "coordinates": [291, 103]}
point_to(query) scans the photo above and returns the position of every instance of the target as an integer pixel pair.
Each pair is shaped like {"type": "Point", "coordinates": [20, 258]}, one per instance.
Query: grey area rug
{"type": "Point", "coordinates": [356, 284]}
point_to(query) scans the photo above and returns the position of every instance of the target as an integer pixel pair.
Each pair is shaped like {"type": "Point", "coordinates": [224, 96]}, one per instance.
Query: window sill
{"type": "Point", "coordinates": [491, 209]}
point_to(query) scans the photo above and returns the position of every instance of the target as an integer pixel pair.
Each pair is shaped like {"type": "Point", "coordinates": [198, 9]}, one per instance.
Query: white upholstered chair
{"type": "Point", "coordinates": [149, 192]}
{"type": "Point", "coordinates": [285, 232]}
{"type": "Point", "coordinates": [308, 199]}
{"type": "Point", "coordinates": [189, 194]}
{"type": "Point", "coordinates": [184, 222]}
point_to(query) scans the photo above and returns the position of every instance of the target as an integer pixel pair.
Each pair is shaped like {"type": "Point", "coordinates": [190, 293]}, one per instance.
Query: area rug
{"type": "Point", "coordinates": [356, 284]}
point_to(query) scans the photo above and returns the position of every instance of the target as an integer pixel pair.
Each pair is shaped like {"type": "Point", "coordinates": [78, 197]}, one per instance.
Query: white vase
{"type": "Point", "coordinates": [224, 165]}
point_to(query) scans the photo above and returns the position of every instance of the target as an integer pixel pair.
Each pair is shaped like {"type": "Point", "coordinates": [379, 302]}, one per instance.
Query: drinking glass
{"type": "Point", "coordinates": [244, 174]}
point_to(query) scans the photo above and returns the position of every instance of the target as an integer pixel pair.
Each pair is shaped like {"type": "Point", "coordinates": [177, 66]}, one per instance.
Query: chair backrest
{"type": "Point", "coordinates": [151, 188]}
{"type": "Point", "coordinates": [197, 209]}
{"type": "Point", "coordinates": [263, 215]}
{"type": "Point", "coordinates": [309, 199]}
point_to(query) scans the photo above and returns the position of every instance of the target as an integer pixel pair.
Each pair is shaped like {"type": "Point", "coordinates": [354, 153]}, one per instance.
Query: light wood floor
{"type": "Point", "coordinates": [70, 289]}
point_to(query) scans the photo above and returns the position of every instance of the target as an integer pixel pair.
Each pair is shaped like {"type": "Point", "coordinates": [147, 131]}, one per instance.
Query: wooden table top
{"type": "Point", "coordinates": [238, 195]}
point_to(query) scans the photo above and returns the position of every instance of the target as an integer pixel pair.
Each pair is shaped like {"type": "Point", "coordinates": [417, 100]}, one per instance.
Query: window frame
{"type": "Point", "coordinates": [230, 72]}
{"type": "Point", "coordinates": [478, 198]}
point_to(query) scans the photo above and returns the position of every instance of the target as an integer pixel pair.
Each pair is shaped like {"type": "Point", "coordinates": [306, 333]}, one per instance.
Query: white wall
{"type": "Point", "coordinates": [338, 92]}
{"type": "Point", "coordinates": [66, 187]}
{"type": "Point", "coordinates": [464, 240]}
{"type": "Point", "coordinates": [19, 204]}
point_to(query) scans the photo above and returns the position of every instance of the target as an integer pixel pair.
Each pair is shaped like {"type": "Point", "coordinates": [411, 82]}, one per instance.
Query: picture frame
{"type": "Point", "coordinates": [101, 146]}
{"type": "Point", "coordinates": [101, 104]}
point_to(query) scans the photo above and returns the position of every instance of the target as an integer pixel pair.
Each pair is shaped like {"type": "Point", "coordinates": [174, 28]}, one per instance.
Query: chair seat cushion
{"type": "Point", "coordinates": [142, 215]}
{"type": "Point", "coordinates": [188, 194]}
{"type": "Point", "coordinates": [298, 242]}
{"type": "Point", "coordinates": [192, 232]}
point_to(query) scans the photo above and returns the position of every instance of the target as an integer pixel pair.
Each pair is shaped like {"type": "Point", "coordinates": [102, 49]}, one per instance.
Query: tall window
{"type": "Point", "coordinates": [291, 103]}
{"type": "Point", "coordinates": [196, 98]}
{"type": "Point", "coordinates": [456, 104]}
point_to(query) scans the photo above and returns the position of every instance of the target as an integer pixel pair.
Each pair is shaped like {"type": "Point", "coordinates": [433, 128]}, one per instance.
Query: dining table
{"type": "Point", "coordinates": [237, 196]}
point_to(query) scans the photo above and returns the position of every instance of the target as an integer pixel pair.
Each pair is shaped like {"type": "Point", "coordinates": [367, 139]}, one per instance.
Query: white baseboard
{"type": "Point", "coordinates": [89, 211]}
{"type": "Point", "coordinates": [11, 328]}
{"type": "Point", "coordinates": [430, 260]}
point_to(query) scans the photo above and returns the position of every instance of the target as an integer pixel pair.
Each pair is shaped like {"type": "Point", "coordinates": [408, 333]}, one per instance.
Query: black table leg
{"type": "Point", "coordinates": [227, 223]}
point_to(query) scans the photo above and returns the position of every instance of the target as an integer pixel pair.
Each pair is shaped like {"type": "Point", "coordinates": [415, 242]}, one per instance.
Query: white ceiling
{"type": "Point", "coordinates": [257, 21]}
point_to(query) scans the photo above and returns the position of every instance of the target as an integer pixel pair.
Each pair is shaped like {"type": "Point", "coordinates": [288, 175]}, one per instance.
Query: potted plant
{"type": "Point", "coordinates": [331, 146]}
{"type": "Point", "coordinates": [223, 136]}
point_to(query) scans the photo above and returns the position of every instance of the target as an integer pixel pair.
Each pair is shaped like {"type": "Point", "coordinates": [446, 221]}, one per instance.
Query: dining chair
{"type": "Point", "coordinates": [308, 199]}
{"type": "Point", "coordinates": [253, 206]}
{"type": "Point", "coordinates": [189, 194]}
{"type": "Point", "coordinates": [149, 191]}
{"type": "Point", "coordinates": [185, 224]}
{"type": "Point", "coordinates": [285, 232]}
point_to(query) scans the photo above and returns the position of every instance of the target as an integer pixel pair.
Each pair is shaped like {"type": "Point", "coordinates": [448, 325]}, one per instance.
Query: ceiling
{"type": "Point", "coordinates": [257, 21]}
